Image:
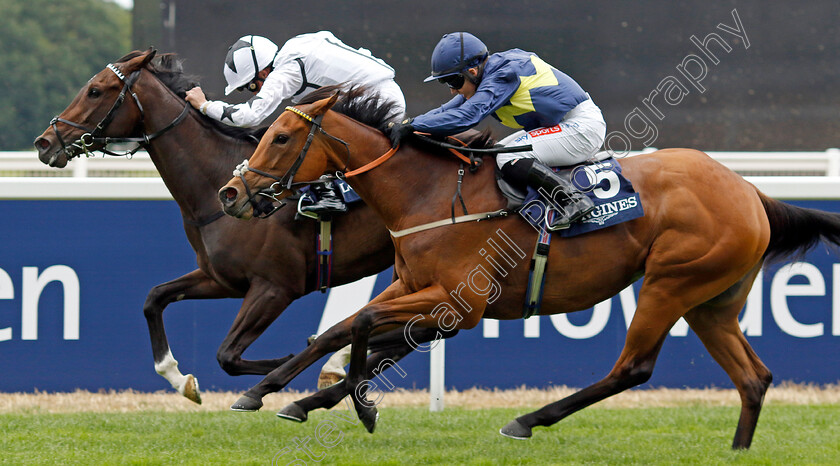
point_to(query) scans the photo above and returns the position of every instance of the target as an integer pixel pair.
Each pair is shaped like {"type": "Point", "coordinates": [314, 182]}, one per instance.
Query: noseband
{"type": "Point", "coordinates": [94, 136]}
{"type": "Point", "coordinates": [285, 181]}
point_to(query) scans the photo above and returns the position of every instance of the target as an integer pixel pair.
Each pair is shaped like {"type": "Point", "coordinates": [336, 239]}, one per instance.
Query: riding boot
{"type": "Point", "coordinates": [329, 200]}
{"type": "Point", "coordinates": [570, 204]}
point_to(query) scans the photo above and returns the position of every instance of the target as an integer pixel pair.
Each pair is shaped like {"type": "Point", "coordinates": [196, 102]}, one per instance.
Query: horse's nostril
{"type": "Point", "coordinates": [230, 194]}
{"type": "Point", "coordinates": [42, 144]}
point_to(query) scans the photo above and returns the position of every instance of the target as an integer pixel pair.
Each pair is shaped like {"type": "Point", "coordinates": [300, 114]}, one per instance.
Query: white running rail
{"type": "Point", "coordinates": [26, 163]}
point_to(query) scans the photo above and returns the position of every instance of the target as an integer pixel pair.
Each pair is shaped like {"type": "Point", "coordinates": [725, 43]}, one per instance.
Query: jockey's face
{"type": "Point", "coordinates": [257, 83]}
{"type": "Point", "coordinates": [468, 89]}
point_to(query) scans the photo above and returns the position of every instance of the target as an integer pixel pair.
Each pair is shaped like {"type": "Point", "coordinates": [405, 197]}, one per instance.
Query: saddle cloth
{"type": "Point", "coordinates": [347, 193]}
{"type": "Point", "coordinates": [615, 199]}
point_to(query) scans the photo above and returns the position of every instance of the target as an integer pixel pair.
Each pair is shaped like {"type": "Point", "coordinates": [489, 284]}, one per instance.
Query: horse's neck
{"type": "Point", "coordinates": [194, 161]}
{"type": "Point", "coordinates": [415, 187]}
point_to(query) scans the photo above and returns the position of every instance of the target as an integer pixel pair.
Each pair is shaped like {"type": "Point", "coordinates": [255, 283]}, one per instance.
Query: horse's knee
{"type": "Point", "coordinates": [228, 361]}
{"type": "Point", "coordinates": [363, 321]}
{"type": "Point", "coordinates": [152, 306]}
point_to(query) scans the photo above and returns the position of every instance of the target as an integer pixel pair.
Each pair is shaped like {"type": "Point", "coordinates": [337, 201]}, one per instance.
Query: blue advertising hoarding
{"type": "Point", "coordinates": [74, 275]}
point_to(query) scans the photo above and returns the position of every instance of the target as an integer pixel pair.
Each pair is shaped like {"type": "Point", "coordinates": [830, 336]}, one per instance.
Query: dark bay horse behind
{"type": "Point", "coordinates": [704, 236]}
{"type": "Point", "coordinates": [269, 263]}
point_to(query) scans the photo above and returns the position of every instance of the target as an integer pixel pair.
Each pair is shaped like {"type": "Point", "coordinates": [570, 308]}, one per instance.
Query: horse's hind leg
{"type": "Point", "coordinates": [716, 324]}
{"type": "Point", "coordinates": [194, 285]}
{"type": "Point", "coordinates": [656, 314]}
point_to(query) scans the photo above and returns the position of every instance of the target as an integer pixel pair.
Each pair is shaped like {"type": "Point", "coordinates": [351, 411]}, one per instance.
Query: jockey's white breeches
{"type": "Point", "coordinates": [576, 139]}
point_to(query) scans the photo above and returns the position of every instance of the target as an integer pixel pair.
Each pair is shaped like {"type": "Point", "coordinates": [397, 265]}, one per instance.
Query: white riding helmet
{"type": "Point", "coordinates": [245, 58]}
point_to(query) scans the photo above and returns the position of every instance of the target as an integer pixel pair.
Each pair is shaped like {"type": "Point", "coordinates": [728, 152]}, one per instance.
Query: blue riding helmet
{"type": "Point", "coordinates": [455, 53]}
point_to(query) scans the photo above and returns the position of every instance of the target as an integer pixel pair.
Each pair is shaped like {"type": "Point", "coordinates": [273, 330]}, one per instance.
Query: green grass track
{"type": "Point", "coordinates": [787, 435]}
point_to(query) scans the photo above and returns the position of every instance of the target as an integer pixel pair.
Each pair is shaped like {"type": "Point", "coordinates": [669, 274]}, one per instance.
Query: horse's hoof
{"type": "Point", "coordinates": [369, 416]}
{"type": "Point", "coordinates": [293, 412]}
{"type": "Point", "coordinates": [191, 389]}
{"type": "Point", "coordinates": [328, 379]}
{"type": "Point", "coordinates": [246, 404]}
{"type": "Point", "coordinates": [515, 429]}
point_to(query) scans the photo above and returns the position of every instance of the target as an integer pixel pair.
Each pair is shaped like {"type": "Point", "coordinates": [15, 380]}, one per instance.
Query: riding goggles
{"type": "Point", "coordinates": [251, 86]}
{"type": "Point", "coordinates": [455, 81]}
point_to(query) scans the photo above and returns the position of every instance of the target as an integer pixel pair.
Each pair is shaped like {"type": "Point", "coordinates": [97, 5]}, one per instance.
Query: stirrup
{"type": "Point", "coordinates": [559, 223]}
{"type": "Point", "coordinates": [325, 205]}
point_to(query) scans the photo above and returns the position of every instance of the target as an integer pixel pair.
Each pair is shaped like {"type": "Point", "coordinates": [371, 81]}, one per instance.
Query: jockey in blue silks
{"type": "Point", "coordinates": [552, 112]}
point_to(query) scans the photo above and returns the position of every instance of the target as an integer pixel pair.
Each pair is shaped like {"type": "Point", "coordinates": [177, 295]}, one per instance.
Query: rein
{"type": "Point", "coordinates": [286, 180]}
{"type": "Point", "coordinates": [93, 136]}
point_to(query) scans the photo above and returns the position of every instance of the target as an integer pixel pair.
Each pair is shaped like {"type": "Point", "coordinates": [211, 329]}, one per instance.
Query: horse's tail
{"type": "Point", "coordinates": [794, 230]}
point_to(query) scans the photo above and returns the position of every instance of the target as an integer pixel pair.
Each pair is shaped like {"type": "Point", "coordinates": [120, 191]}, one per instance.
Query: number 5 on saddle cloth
{"type": "Point", "coordinates": [615, 202]}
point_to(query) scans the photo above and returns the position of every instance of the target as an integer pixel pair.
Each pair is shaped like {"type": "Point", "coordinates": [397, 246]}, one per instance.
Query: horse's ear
{"type": "Point", "coordinates": [138, 61]}
{"type": "Point", "coordinates": [320, 107]}
{"type": "Point", "coordinates": [148, 56]}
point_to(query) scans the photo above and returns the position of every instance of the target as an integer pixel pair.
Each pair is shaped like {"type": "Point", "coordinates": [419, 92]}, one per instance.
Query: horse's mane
{"type": "Point", "coordinates": [170, 71]}
{"type": "Point", "coordinates": [364, 106]}
{"type": "Point", "coordinates": [357, 102]}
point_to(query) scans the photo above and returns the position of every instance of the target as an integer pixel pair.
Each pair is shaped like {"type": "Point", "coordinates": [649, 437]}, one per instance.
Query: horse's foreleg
{"type": "Point", "coordinates": [336, 337]}
{"type": "Point", "coordinates": [647, 331]}
{"type": "Point", "coordinates": [427, 308]}
{"type": "Point", "coordinates": [333, 370]}
{"type": "Point", "coordinates": [263, 303]}
{"type": "Point", "coordinates": [194, 285]}
{"type": "Point", "coordinates": [385, 349]}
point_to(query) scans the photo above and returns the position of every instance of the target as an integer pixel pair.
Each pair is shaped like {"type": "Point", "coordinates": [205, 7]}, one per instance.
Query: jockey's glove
{"type": "Point", "coordinates": [397, 131]}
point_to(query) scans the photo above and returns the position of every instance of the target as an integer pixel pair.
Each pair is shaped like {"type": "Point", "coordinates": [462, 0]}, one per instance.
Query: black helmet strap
{"type": "Point", "coordinates": [254, 56]}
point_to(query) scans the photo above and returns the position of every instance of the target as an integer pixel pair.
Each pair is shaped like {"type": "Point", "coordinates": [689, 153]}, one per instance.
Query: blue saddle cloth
{"type": "Point", "coordinates": [348, 193]}
{"type": "Point", "coordinates": [615, 199]}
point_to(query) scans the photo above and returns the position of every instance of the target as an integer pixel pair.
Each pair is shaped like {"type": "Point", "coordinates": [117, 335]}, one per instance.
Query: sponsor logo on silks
{"type": "Point", "coordinates": [608, 210]}
{"type": "Point", "coordinates": [543, 131]}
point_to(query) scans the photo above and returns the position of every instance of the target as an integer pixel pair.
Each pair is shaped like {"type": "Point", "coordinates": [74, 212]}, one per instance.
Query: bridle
{"type": "Point", "coordinates": [283, 182]}
{"type": "Point", "coordinates": [94, 136]}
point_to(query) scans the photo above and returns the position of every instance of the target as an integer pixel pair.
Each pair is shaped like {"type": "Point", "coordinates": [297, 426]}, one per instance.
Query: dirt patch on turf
{"type": "Point", "coordinates": [132, 401]}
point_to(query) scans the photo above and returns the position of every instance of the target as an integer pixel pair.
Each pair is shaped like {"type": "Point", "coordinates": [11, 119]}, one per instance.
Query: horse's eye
{"type": "Point", "coordinates": [281, 139]}
{"type": "Point", "coordinates": [94, 93]}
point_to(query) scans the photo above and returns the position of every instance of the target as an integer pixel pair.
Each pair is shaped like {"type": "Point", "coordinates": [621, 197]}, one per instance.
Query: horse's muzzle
{"type": "Point", "coordinates": [232, 203]}
{"type": "Point", "coordinates": [49, 153]}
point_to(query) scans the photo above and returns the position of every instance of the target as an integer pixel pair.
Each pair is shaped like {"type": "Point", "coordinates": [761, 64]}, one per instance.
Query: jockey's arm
{"type": "Point", "coordinates": [280, 84]}
{"type": "Point", "coordinates": [457, 115]}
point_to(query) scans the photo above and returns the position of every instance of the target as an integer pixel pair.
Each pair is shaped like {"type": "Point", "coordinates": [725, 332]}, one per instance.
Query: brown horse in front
{"type": "Point", "coordinates": [704, 237]}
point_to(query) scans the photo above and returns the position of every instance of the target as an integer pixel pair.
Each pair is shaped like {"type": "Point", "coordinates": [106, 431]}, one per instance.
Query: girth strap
{"type": "Point", "coordinates": [536, 273]}
{"type": "Point", "coordinates": [324, 250]}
